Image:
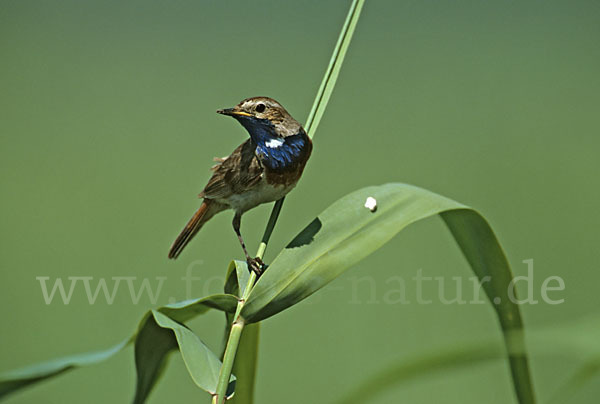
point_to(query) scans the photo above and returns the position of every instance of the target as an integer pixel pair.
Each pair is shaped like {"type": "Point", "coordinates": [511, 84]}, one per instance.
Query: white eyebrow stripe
{"type": "Point", "coordinates": [274, 143]}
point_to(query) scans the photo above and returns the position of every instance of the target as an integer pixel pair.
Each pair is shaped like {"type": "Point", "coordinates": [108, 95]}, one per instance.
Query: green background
{"type": "Point", "coordinates": [108, 128]}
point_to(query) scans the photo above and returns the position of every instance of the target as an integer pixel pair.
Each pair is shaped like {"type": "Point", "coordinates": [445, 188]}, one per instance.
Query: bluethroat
{"type": "Point", "coordinates": [262, 169]}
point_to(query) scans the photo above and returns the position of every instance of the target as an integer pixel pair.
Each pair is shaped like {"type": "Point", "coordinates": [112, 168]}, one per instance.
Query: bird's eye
{"type": "Point", "coordinates": [260, 108]}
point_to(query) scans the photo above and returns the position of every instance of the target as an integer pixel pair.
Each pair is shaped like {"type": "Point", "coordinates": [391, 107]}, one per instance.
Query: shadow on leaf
{"type": "Point", "coordinates": [307, 235]}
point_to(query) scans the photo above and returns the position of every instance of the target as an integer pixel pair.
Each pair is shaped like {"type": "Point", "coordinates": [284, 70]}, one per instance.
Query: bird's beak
{"type": "Point", "coordinates": [232, 112]}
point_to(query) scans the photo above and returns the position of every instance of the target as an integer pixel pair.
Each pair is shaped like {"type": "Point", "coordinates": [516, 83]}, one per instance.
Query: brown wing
{"type": "Point", "coordinates": [236, 174]}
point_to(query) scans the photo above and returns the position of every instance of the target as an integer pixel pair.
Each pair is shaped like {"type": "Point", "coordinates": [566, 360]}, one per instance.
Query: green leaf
{"type": "Point", "coordinates": [186, 310]}
{"type": "Point", "coordinates": [583, 376]}
{"type": "Point", "coordinates": [347, 231]}
{"type": "Point", "coordinates": [483, 252]}
{"type": "Point", "coordinates": [153, 342]}
{"type": "Point", "coordinates": [578, 339]}
{"type": "Point", "coordinates": [575, 339]}
{"type": "Point", "coordinates": [151, 347]}
{"type": "Point", "coordinates": [451, 359]}
{"type": "Point", "coordinates": [202, 364]}
{"type": "Point", "coordinates": [14, 380]}
{"type": "Point", "coordinates": [236, 279]}
{"type": "Point", "coordinates": [339, 237]}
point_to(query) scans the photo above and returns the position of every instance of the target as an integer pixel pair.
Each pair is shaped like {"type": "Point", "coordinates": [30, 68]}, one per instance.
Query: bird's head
{"type": "Point", "coordinates": [263, 116]}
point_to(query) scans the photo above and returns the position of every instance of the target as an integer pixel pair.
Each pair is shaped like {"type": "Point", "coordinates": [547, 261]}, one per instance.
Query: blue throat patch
{"type": "Point", "coordinates": [283, 156]}
{"type": "Point", "coordinates": [275, 152]}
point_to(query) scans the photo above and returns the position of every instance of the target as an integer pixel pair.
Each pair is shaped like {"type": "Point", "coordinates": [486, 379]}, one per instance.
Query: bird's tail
{"type": "Point", "coordinates": [207, 210]}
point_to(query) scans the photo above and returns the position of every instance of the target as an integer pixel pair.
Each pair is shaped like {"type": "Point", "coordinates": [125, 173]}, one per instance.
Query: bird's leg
{"type": "Point", "coordinates": [237, 221]}
{"type": "Point", "coordinates": [254, 264]}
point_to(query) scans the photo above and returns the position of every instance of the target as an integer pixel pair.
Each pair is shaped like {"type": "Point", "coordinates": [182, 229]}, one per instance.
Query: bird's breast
{"type": "Point", "coordinates": [262, 192]}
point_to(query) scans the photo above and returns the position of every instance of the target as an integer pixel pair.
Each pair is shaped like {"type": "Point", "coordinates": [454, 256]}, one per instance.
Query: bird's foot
{"type": "Point", "coordinates": [257, 266]}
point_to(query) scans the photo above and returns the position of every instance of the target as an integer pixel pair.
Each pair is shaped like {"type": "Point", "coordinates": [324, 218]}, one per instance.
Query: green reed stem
{"type": "Point", "coordinates": [333, 70]}
{"type": "Point", "coordinates": [314, 118]}
{"type": "Point", "coordinates": [238, 322]}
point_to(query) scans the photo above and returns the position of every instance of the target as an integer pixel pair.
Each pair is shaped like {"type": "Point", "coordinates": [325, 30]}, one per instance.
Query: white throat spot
{"type": "Point", "coordinates": [274, 143]}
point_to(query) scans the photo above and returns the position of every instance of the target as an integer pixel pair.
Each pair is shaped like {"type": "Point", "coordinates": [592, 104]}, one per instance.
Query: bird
{"type": "Point", "coordinates": [263, 169]}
